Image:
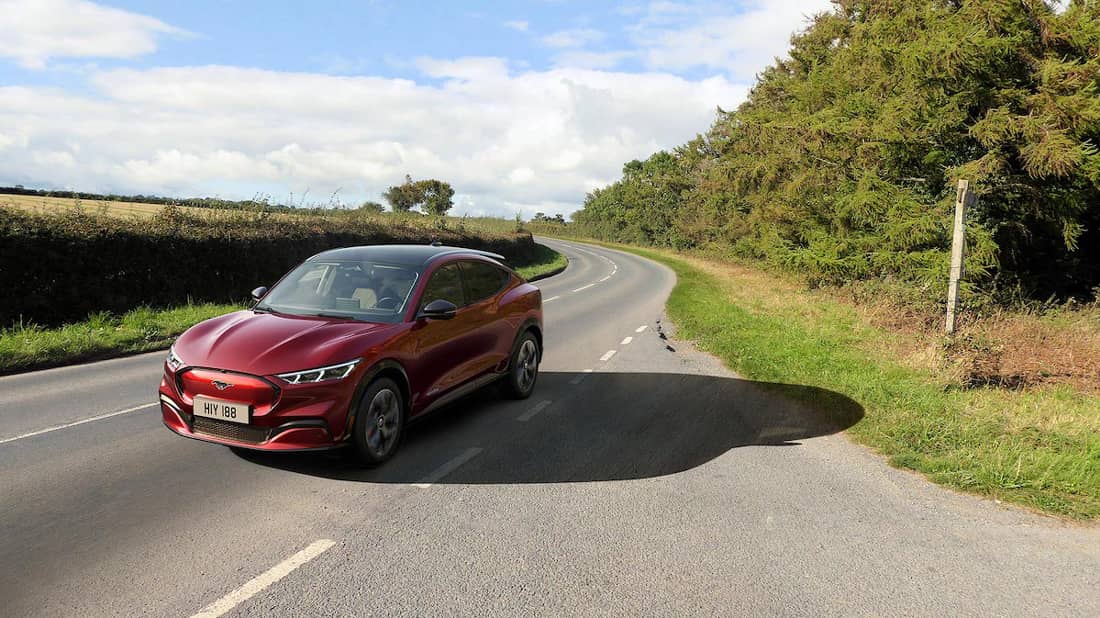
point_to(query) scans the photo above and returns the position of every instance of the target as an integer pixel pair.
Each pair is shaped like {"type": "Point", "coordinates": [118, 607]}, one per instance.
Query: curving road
{"type": "Point", "coordinates": [642, 478]}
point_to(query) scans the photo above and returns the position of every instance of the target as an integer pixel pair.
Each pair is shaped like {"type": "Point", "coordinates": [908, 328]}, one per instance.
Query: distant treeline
{"type": "Point", "coordinates": [842, 163]}
{"type": "Point", "coordinates": [194, 202]}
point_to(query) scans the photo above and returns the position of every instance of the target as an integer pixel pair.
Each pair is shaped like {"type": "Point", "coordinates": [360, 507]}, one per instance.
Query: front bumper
{"type": "Point", "coordinates": [296, 423]}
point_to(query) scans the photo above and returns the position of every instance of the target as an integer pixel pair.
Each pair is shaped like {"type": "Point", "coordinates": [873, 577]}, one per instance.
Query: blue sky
{"type": "Point", "coordinates": [521, 106]}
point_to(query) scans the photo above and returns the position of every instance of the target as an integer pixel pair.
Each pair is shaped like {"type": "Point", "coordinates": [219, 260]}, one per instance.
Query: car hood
{"type": "Point", "coordinates": [268, 343]}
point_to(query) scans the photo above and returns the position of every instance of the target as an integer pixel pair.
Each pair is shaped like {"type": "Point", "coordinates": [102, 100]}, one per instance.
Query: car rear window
{"type": "Point", "coordinates": [482, 280]}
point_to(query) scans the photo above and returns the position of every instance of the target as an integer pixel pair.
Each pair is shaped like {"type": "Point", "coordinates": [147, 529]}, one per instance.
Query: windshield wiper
{"type": "Point", "coordinates": [332, 315]}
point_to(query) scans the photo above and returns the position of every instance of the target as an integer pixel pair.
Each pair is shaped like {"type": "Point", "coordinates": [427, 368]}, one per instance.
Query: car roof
{"type": "Point", "coordinates": [409, 255]}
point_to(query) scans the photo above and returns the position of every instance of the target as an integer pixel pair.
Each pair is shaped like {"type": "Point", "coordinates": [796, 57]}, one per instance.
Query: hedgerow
{"type": "Point", "coordinates": [56, 268]}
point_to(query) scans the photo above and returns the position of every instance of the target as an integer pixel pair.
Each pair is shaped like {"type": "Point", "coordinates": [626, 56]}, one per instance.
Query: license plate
{"type": "Point", "coordinates": [222, 410]}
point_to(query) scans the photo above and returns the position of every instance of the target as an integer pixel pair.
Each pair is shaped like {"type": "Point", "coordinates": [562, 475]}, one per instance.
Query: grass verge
{"type": "Point", "coordinates": [1038, 447]}
{"type": "Point", "coordinates": [103, 335]}
{"type": "Point", "coordinates": [547, 262]}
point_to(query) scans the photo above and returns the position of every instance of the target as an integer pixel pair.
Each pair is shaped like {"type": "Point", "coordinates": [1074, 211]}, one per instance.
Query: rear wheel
{"type": "Point", "coordinates": [523, 369]}
{"type": "Point", "coordinates": [379, 422]}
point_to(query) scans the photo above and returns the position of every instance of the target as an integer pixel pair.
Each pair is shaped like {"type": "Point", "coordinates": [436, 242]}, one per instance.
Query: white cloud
{"type": "Point", "coordinates": [517, 25]}
{"type": "Point", "coordinates": [577, 37]}
{"type": "Point", "coordinates": [508, 141]}
{"type": "Point", "coordinates": [674, 36]}
{"type": "Point", "coordinates": [34, 31]}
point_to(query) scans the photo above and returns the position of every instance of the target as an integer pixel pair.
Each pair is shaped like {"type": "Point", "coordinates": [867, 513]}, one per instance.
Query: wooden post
{"type": "Point", "coordinates": [963, 199]}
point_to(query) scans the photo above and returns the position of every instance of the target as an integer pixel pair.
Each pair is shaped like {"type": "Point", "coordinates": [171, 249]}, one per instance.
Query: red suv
{"type": "Point", "coordinates": [352, 344]}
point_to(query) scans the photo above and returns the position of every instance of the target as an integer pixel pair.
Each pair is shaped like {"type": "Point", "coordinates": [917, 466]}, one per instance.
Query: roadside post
{"type": "Point", "coordinates": [963, 199]}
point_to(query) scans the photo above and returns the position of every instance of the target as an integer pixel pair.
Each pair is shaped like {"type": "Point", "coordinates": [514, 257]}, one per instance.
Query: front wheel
{"type": "Point", "coordinates": [379, 422]}
{"type": "Point", "coordinates": [523, 369]}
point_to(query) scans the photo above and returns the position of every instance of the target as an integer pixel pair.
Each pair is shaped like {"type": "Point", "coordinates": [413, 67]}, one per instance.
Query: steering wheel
{"type": "Point", "coordinates": [387, 302]}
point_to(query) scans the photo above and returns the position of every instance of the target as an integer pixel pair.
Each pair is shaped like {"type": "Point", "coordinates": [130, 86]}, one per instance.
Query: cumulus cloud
{"type": "Point", "coordinates": [34, 31]}
{"type": "Point", "coordinates": [508, 141]}
{"type": "Point", "coordinates": [676, 36]}
{"type": "Point", "coordinates": [517, 25]}
{"type": "Point", "coordinates": [509, 138]}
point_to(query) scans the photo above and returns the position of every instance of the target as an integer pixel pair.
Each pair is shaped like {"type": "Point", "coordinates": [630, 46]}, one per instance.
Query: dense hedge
{"type": "Point", "coordinates": [59, 268]}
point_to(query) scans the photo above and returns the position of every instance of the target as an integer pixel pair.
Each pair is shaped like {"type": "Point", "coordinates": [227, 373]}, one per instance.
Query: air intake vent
{"type": "Point", "coordinates": [229, 431]}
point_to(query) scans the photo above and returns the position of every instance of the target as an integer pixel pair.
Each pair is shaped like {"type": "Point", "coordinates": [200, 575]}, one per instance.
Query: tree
{"type": "Point", "coordinates": [841, 164]}
{"type": "Point", "coordinates": [372, 207]}
{"type": "Point", "coordinates": [403, 197]}
{"type": "Point", "coordinates": [433, 195]}
{"type": "Point", "coordinates": [436, 196]}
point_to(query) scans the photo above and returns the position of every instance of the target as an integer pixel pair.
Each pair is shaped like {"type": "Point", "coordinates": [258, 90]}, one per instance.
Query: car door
{"type": "Point", "coordinates": [485, 284]}
{"type": "Point", "coordinates": [444, 355]}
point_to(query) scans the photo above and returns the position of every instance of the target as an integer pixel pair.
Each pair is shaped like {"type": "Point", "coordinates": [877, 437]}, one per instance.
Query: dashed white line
{"type": "Point", "coordinates": [255, 585]}
{"type": "Point", "coordinates": [626, 341]}
{"type": "Point", "coordinates": [528, 415]}
{"type": "Point", "coordinates": [580, 378]}
{"type": "Point", "coordinates": [641, 328]}
{"type": "Point", "coordinates": [607, 355]}
{"type": "Point", "coordinates": [584, 287]}
{"type": "Point", "coordinates": [448, 468]}
{"type": "Point", "coordinates": [552, 298]}
{"type": "Point", "coordinates": [80, 422]}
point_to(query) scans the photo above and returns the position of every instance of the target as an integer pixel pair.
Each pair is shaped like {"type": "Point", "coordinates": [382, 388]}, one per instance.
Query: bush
{"type": "Point", "coordinates": [60, 268]}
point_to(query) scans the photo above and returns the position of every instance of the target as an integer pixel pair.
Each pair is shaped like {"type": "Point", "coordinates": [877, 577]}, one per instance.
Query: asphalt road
{"type": "Point", "coordinates": [642, 478]}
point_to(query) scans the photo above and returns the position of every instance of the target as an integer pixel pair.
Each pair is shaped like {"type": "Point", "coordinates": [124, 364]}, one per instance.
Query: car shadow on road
{"type": "Point", "coordinates": [598, 427]}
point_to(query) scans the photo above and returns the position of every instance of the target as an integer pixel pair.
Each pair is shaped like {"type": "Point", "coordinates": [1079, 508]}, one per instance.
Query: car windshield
{"type": "Point", "coordinates": [357, 290]}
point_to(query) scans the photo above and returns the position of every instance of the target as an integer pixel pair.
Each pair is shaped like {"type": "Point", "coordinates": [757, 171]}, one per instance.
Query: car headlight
{"type": "Point", "coordinates": [320, 374]}
{"type": "Point", "coordinates": [174, 361]}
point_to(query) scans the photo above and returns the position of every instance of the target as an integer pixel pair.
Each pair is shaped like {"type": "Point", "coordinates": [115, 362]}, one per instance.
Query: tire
{"type": "Point", "coordinates": [379, 422]}
{"type": "Point", "coordinates": [523, 367]}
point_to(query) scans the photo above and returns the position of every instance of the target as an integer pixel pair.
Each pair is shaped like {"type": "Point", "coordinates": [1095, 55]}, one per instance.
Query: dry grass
{"type": "Point", "coordinates": [39, 204]}
{"type": "Point", "coordinates": [1015, 349]}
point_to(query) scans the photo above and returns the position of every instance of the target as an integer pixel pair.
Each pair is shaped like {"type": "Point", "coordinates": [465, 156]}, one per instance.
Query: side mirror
{"type": "Point", "coordinates": [259, 293]}
{"type": "Point", "coordinates": [439, 310]}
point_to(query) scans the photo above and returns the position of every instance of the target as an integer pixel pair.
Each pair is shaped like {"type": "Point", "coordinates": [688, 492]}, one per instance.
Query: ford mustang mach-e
{"type": "Point", "coordinates": [350, 346]}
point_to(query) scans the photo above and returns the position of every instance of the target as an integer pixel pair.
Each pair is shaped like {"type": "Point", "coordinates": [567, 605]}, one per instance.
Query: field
{"type": "Point", "coordinates": [37, 204]}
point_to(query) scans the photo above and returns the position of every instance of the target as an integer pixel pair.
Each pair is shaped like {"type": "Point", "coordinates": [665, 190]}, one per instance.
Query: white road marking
{"type": "Point", "coordinates": [528, 415]}
{"type": "Point", "coordinates": [263, 580]}
{"type": "Point", "coordinates": [577, 380]}
{"type": "Point", "coordinates": [605, 279]}
{"type": "Point", "coordinates": [584, 287]}
{"type": "Point", "coordinates": [551, 299]}
{"type": "Point", "coordinates": [80, 422]}
{"type": "Point", "coordinates": [448, 468]}
{"type": "Point", "coordinates": [641, 328]}
{"type": "Point", "coordinates": [607, 355]}
{"type": "Point", "coordinates": [626, 341]}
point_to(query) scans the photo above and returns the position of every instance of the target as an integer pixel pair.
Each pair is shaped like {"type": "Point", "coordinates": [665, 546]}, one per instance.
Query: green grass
{"type": "Point", "coordinates": [547, 262]}
{"type": "Point", "coordinates": [1039, 448]}
{"type": "Point", "coordinates": [103, 335]}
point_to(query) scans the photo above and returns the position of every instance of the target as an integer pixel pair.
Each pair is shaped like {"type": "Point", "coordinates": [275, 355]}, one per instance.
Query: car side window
{"type": "Point", "coordinates": [482, 280]}
{"type": "Point", "coordinates": [446, 284]}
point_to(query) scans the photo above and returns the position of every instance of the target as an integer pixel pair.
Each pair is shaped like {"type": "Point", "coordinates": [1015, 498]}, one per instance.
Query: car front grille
{"type": "Point", "coordinates": [229, 431]}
